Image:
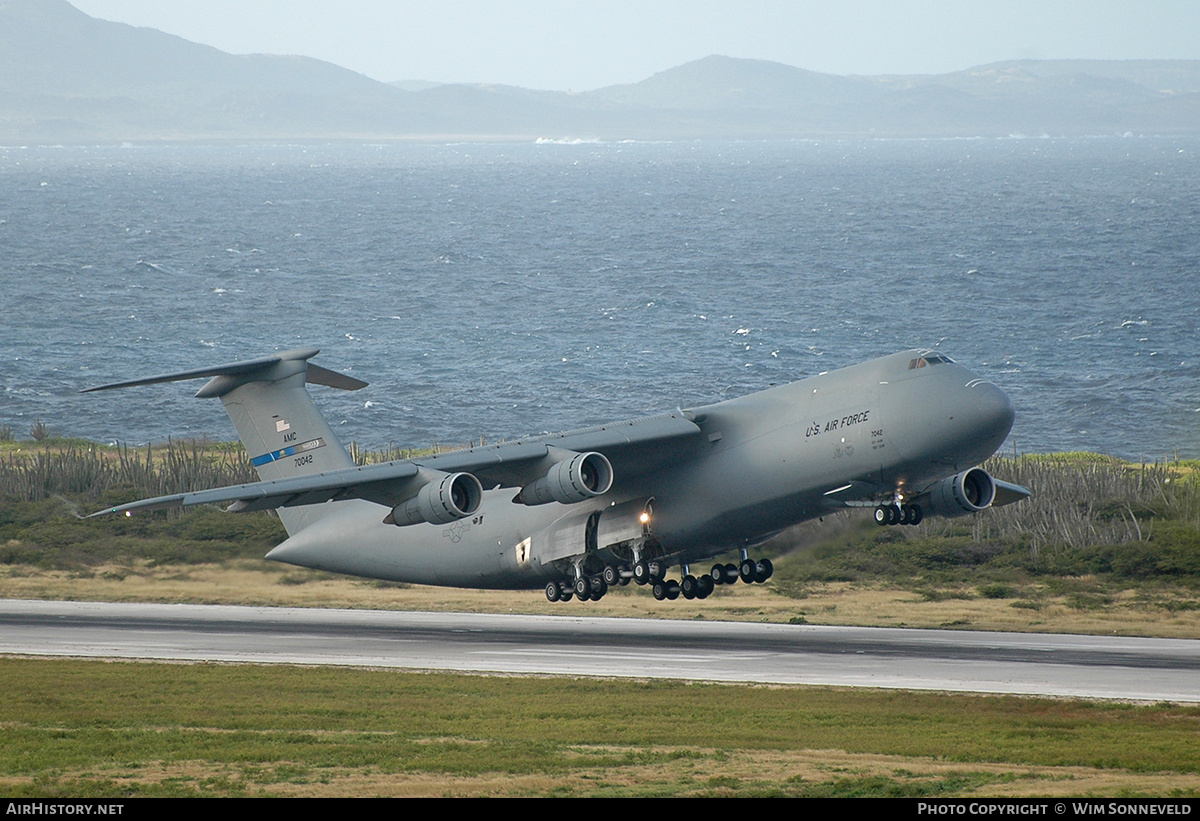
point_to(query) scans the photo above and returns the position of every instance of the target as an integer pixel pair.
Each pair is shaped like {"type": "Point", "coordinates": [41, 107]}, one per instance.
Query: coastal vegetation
{"type": "Point", "coordinates": [1102, 545]}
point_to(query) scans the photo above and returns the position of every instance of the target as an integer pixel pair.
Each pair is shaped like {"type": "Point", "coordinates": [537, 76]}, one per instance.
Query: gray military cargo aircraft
{"type": "Point", "coordinates": [581, 511]}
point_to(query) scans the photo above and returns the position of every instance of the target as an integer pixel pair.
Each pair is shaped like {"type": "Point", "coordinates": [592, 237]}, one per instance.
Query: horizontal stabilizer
{"type": "Point", "coordinates": [332, 379]}
{"type": "Point", "coordinates": [237, 373]}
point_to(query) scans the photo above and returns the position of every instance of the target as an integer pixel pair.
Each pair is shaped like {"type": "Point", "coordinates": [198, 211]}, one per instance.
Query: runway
{"type": "Point", "coordinates": [1053, 665]}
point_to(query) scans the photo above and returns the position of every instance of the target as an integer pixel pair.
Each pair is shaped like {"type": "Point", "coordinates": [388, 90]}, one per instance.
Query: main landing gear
{"type": "Point", "coordinates": [592, 587]}
{"type": "Point", "coordinates": [898, 514]}
{"type": "Point", "coordinates": [749, 571]}
{"type": "Point", "coordinates": [690, 587]}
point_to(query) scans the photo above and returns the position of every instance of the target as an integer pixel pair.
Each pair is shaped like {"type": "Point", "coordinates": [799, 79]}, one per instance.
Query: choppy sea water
{"type": "Point", "coordinates": [499, 290]}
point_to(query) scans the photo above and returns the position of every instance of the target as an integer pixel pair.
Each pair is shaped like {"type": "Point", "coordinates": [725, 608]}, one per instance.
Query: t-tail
{"type": "Point", "coordinates": [281, 428]}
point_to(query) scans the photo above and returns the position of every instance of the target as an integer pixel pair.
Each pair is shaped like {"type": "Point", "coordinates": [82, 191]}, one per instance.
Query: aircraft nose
{"type": "Point", "coordinates": [991, 412]}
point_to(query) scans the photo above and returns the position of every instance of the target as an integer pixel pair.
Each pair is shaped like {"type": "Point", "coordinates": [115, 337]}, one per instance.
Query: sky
{"type": "Point", "coordinates": [578, 45]}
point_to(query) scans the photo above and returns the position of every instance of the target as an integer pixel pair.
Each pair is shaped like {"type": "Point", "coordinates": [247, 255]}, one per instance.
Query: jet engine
{"type": "Point", "coordinates": [968, 492]}
{"type": "Point", "coordinates": [576, 478]}
{"type": "Point", "coordinates": [447, 497]}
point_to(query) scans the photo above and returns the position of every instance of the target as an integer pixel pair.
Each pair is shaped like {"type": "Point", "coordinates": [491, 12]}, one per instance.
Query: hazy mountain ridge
{"type": "Point", "coordinates": [66, 77]}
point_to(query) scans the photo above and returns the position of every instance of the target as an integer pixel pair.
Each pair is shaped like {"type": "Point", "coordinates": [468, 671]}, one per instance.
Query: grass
{"type": "Point", "coordinates": [124, 729]}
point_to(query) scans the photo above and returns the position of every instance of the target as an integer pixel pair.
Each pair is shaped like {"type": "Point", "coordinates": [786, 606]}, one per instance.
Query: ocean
{"type": "Point", "coordinates": [500, 290]}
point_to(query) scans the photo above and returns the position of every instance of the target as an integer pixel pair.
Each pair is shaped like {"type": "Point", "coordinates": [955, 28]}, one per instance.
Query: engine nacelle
{"type": "Point", "coordinates": [968, 492]}
{"type": "Point", "coordinates": [575, 479]}
{"type": "Point", "coordinates": [441, 501]}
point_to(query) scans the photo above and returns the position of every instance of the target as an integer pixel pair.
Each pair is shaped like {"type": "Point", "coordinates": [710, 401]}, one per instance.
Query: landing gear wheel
{"type": "Point", "coordinates": [611, 575]}
{"type": "Point", "coordinates": [765, 571]}
{"type": "Point", "coordinates": [659, 590]}
{"type": "Point", "coordinates": [717, 574]}
{"type": "Point", "coordinates": [565, 591]}
{"type": "Point", "coordinates": [641, 572]}
{"type": "Point", "coordinates": [731, 573]}
{"type": "Point", "coordinates": [704, 586]}
{"type": "Point", "coordinates": [748, 570]}
{"type": "Point", "coordinates": [599, 588]}
{"type": "Point", "coordinates": [688, 587]}
{"type": "Point", "coordinates": [657, 570]}
{"type": "Point", "coordinates": [917, 515]}
{"type": "Point", "coordinates": [882, 516]}
{"type": "Point", "coordinates": [672, 589]}
{"type": "Point", "coordinates": [582, 589]}
{"type": "Point", "coordinates": [552, 592]}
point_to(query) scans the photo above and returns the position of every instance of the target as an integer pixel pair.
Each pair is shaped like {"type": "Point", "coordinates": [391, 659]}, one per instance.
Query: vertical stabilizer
{"type": "Point", "coordinates": [279, 425]}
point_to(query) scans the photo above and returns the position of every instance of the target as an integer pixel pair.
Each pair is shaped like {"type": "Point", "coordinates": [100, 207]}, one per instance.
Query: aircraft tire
{"type": "Point", "coordinates": [611, 575]}
{"type": "Point", "coordinates": [659, 590]}
{"type": "Point", "coordinates": [917, 515]}
{"type": "Point", "coordinates": [765, 570]}
{"type": "Point", "coordinates": [565, 591]}
{"type": "Point", "coordinates": [688, 586]}
{"type": "Point", "coordinates": [731, 573]}
{"type": "Point", "coordinates": [672, 589]}
{"type": "Point", "coordinates": [882, 517]}
{"type": "Point", "coordinates": [552, 593]}
{"type": "Point", "coordinates": [748, 571]}
{"type": "Point", "coordinates": [582, 589]}
{"type": "Point", "coordinates": [706, 586]}
{"type": "Point", "coordinates": [657, 571]}
{"type": "Point", "coordinates": [641, 573]}
{"type": "Point", "coordinates": [599, 588]}
{"type": "Point", "coordinates": [717, 574]}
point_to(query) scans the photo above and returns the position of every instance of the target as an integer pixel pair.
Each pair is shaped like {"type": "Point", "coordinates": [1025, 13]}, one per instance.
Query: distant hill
{"type": "Point", "coordinates": [69, 78]}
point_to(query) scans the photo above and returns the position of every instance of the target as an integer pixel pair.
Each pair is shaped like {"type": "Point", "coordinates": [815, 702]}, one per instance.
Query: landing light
{"type": "Point", "coordinates": [129, 513]}
{"type": "Point", "coordinates": [644, 518]}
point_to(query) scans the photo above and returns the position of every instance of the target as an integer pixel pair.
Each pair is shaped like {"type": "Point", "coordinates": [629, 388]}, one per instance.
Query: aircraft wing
{"type": "Point", "coordinates": [860, 493]}
{"type": "Point", "coordinates": [632, 446]}
{"type": "Point", "coordinates": [1007, 493]}
{"type": "Point", "coordinates": [376, 483]}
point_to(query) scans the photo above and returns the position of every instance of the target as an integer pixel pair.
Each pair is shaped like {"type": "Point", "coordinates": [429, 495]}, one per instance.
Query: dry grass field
{"type": "Point", "coordinates": [868, 604]}
{"type": "Point", "coordinates": [94, 728]}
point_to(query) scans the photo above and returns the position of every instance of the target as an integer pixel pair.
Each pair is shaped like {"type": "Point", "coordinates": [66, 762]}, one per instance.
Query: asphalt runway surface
{"type": "Point", "coordinates": [1103, 667]}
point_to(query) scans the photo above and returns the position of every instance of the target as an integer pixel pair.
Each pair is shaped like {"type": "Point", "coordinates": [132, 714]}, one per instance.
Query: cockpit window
{"type": "Point", "coordinates": [928, 358]}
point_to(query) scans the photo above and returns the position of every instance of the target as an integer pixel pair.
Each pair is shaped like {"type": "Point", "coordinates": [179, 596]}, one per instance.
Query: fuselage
{"type": "Point", "coordinates": [760, 463]}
